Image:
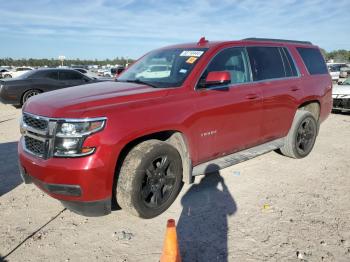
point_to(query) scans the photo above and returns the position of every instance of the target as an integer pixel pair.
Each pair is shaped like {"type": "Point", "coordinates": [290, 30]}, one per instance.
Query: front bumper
{"type": "Point", "coordinates": [83, 185]}
{"type": "Point", "coordinates": [341, 104]}
{"type": "Point", "coordinates": [87, 208]}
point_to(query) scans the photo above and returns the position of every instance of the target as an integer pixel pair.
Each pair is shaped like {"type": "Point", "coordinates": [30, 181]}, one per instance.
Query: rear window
{"type": "Point", "coordinates": [313, 60]}
{"type": "Point", "coordinates": [266, 63]}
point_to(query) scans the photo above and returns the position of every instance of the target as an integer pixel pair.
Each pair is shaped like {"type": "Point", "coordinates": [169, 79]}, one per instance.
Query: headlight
{"type": "Point", "coordinates": [70, 137]}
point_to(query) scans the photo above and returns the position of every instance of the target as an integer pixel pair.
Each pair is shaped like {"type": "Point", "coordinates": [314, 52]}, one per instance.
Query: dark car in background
{"type": "Point", "coordinates": [17, 91]}
{"type": "Point", "coordinates": [117, 71]}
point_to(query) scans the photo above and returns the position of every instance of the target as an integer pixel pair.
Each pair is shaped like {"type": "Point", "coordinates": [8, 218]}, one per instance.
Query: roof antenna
{"type": "Point", "coordinates": [202, 41]}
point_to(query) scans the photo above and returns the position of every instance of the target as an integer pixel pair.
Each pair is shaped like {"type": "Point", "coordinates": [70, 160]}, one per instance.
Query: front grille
{"type": "Point", "coordinates": [341, 103]}
{"type": "Point", "coordinates": [35, 122]}
{"type": "Point", "coordinates": [35, 146]}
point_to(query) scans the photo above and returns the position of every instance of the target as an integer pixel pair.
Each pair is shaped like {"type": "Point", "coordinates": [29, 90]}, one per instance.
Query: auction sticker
{"type": "Point", "coordinates": [191, 60]}
{"type": "Point", "coordinates": [191, 53]}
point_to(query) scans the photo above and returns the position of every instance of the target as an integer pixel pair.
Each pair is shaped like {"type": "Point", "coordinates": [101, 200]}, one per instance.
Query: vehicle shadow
{"type": "Point", "coordinates": [2, 259]}
{"type": "Point", "coordinates": [9, 173]}
{"type": "Point", "coordinates": [203, 225]}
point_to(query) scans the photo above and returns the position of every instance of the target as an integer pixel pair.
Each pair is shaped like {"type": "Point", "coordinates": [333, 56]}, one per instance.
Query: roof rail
{"type": "Point", "coordinates": [277, 40]}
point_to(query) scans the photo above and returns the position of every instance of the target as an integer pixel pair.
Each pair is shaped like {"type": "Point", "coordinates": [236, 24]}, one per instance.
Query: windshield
{"type": "Point", "coordinates": [164, 68]}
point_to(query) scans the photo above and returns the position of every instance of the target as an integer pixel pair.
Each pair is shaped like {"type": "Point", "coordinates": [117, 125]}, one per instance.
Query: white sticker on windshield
{"type": "Point", "coordinates": [192, 53]}
{"type": "Point", "coordinates": [183, 71]}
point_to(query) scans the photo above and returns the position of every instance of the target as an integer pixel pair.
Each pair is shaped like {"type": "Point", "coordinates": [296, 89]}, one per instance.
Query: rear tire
{"type": "Point", "coordinates": [28, 94]}
{"type": "Point", "coordinates": [150, 178]}
{"type": "Point", "coordinates": [301, 136]}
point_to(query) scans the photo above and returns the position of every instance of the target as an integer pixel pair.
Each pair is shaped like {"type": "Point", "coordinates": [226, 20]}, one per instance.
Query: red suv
{"type": "Point", "coordinates": [135, 141]}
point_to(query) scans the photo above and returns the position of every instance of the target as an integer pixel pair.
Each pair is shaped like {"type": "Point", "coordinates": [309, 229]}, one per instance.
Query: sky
{"type": "Point", "coordinates": [99, 29]}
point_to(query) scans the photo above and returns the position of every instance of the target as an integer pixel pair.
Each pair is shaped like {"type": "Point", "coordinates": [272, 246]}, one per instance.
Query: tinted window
{"type": "Point", "coordinates": [233, 60]}
{"type": "Point", "coordinates": [70, 75]}
{"type": "Point", "coordinates": [266, 63]}
{"type": "Point", "coordinates": [289, 66]}
{"type": "Point", "coordinates": [51, 75]}
{"type": "Point", "coordinates": [44, 74]}
{"type": "Point", "coordinates": [313, 60]}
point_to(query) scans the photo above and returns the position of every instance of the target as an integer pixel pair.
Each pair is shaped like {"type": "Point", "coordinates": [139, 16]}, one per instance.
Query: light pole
{"type": "Point", "coordinates": [61, 57]}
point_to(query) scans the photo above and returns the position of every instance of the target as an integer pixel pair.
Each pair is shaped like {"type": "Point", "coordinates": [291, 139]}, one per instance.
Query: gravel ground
{"type": "Point", "coordinates": [271, 208]}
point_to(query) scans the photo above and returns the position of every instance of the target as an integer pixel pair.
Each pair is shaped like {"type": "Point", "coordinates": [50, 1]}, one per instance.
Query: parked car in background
{"type": "Point", "coordinates": [155, 71]}
{"type": "Point", "coordinates": [17, 72]}
{"type": "Point", "coordinates": [3, 71]}
{"type": "Point", "coordinates": [18, 90]}
{"type": "Point", "coordinates": [344, 72]}
{"type": "Point", "coordinates": [100, 72]}
{"type": "Point", "coordinates": [334, 70]}
{"type": "Point", "coordinates": [117, 71]}
{"type": "Point", "coordinates": [107, 73]}
{"type": "Point", "coordinates": [135, 141]}
{"type": "Point", "coordinates": [341, 96]}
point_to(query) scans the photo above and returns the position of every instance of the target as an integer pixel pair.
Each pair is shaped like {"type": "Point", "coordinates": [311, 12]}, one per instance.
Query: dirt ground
{"type": "Point", "coordinates": [271, 208]}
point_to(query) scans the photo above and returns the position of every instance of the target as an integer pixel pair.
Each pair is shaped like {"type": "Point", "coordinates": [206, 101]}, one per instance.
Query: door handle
{"type": "Point", "coordinates": [251, 96]}
{"type": "Point", "coordinates": [294, 88]}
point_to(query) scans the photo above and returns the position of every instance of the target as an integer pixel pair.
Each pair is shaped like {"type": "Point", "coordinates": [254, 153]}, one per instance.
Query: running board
{"type": "Point", "coordinates": [235, 158]}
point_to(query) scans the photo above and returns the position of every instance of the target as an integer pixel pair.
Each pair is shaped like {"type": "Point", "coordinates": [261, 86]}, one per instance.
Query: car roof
{"type": "Point", "coordinates": [57, 69]}
{"type": "Point", "coordinates": [203, 43]}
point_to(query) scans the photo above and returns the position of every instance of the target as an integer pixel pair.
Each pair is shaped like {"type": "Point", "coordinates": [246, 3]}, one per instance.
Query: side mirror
{"type": "Point", "coordinates": [218, 78]}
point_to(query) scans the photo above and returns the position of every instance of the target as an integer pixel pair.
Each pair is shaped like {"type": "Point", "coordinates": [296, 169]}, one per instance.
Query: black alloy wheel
{"type": "Point", "coordinates": [150, 178]}
{"type": "Point", "coordinates": [305, 136]}
{"type": "Point", "coordinates": [159, 181]}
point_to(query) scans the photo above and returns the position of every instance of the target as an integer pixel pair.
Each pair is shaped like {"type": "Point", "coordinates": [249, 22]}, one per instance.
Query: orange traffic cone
{"type": "Point", "coordinates": [171, 252]}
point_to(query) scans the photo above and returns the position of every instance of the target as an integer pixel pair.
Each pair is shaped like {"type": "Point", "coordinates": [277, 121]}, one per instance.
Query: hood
{"type": "Point", "coordinates": [89, 100]}
{"type": "Point", "coordinates": [341, 90]}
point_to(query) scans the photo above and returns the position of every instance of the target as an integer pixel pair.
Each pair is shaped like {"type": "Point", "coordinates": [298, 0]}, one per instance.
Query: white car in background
{"type": "Point", "coordinates": [341, 96]}
{"type": "Point", "coordinates": [334, 70]}
{"type": "Point", "coordinates": [155, 71]}
{"type": "Point", "coordinates": [17, 72]}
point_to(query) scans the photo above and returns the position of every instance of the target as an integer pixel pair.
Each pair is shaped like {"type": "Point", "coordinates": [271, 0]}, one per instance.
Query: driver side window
{"type": "Point", "coordinates": [233, 60]}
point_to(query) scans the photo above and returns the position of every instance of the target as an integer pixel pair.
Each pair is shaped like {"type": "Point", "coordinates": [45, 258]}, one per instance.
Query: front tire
{"type": "Point", "coordinates": [302, 135]}
{"type": "Point", "coordinates": [28, 94]}
{"type": "Point", "coordinates": [150, 179]}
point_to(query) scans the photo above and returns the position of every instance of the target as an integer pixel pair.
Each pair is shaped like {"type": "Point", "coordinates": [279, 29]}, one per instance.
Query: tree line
{"type": "Point", "coordinates": [336, 55]}
{"type": "Point", "coordinates": [341, 55]}
{"type": "Point", "coordinates": [40, 62]}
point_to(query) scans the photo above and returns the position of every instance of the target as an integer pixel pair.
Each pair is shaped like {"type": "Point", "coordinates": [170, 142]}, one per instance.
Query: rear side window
{"type": "Point", "coordinates": [288, 62]}
{"type": "Point", "coordinates": [313, 60]}
{"type": "Point", "coordinates": [52, 75]}
{"type": "Point", "coordinates": [45, 74]}
{"type": "Point", "coordinates": [266, 63]}
{"type": "Point", "coordinates": [70, 75]}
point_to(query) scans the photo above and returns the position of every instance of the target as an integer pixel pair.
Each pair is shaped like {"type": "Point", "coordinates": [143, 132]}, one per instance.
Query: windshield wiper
{"type": "Point", "coordinates": [138, 81]}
